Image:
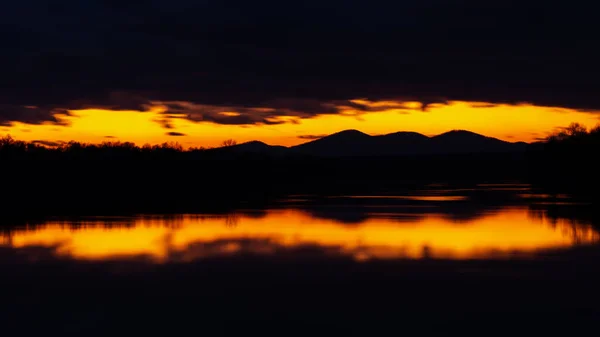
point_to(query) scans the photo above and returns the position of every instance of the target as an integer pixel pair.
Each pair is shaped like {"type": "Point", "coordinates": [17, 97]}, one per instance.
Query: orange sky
{"type": "Point", "coordinates": [507, 122]}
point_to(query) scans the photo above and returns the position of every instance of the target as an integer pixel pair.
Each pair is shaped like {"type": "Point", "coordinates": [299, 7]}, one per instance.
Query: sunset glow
{"type": "Point", "coordinates": [190, 237]}
{"type": "Point", "coordinates": [507, 122]}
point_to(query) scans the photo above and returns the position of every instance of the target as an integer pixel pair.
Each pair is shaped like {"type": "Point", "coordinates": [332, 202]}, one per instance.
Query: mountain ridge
{"type": "Point", "coordinates": [351, 143]}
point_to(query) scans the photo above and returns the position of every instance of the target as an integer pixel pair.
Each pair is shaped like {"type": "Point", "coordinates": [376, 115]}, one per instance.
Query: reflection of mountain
{"type": "Point", "coordinates": [357, 214]}
{"type": "Point", "coordinates": [439, 220]}
{"type": "Point", "coordinates": [467, 204]}
{"type": "Point", "coordinates": [458, 204]}
{"type": "Point", "coordinates": [356, 143]}
{"type": "Point", "coordinates": [379, 235]}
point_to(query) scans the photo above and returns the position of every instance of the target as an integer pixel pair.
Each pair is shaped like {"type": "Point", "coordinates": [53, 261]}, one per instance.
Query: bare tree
{"type": "Point", "coordinates": [228, 142]}
{"type": "Point", "coordinates": [574, 130]}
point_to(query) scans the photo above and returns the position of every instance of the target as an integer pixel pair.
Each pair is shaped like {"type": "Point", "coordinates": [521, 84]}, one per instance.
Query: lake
{"type": "Point", "coordinates": [481, 222]}
{"type": "Point", "coordinates": [438, 259]}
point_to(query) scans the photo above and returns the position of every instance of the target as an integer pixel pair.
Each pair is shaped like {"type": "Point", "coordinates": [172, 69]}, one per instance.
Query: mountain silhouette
{"type": "Point", "coordinates": [255, 146]}
{"type": "Point", "coordinates": [344, 143]}
{"type": "Point", "coordinates": [351, 143]}
{"type": "Point", "coordinates": [461, 141]}
{"type": "Point", "coordinates": [404, 143]}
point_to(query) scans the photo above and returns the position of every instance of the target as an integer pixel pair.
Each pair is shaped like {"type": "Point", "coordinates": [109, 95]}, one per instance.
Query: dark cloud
{"type": "Point", "coordinates": [275, 111]}
{"type": "Point", "coordinates": [269, 112]}
{"type": "Point", "coordinates": [48, 112]}
{"type": "Point", "coordinates": [302, 57]}
{"type": "Point", "coordinates": [311, 137]}
{"type": "Point", "coordinates": [482, 105]}
{"type": "Point", "coordinates": [29, 114]}
{"type": "Point", "coordinates": [48, 143]}
{"type": "Point", "coordinates": [176, 134]}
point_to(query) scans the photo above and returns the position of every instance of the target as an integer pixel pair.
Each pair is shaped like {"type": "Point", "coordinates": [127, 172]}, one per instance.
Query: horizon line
{"type": "Point", "coordinates": [391, 133]}
{"type": "Point", "coordinates": [113, 140]}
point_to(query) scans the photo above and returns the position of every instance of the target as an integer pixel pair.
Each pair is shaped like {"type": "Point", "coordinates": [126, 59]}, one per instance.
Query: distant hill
{"type": "Point", "coordinates": [460, 141]}
{"type": "Point", "coordinates": [352, 143]}
{"type": "Point", "coordinates": [344, 143]}
{"type": "Point", "coordinates": [255, 147]}
{"type": "Point", "coordinates": [400, 143]}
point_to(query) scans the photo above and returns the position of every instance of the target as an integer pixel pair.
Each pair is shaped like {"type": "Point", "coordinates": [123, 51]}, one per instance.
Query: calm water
{"type": "Point", "coordinates": [434, 223]}
{"type": "Point", "coordinates": [417, 266]}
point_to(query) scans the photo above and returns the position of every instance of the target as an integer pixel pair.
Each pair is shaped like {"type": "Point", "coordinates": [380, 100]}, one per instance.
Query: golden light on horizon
{"type": "Point", "coordinates": [506, 122]}
{"type": "Point", "coordinates": [504, 232]}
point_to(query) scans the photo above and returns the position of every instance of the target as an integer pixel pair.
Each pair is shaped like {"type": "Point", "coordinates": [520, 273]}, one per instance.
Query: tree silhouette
{"type": "Point", "coordinates": [228, 142]}
{"type": "Point", "coordinates": [574, 130]}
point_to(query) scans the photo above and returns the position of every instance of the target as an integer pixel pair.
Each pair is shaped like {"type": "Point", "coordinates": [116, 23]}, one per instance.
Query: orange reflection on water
{"type": "Point", "coordinates": [412, 197]}
{"type": "Point", "coordinates": [502, 232]}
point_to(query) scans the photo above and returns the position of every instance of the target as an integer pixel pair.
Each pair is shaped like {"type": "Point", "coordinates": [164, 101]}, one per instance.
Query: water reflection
{"type": "Point", "coordinates": [412, 197]}
{"type": "Point", "coordinates": [497, 233]}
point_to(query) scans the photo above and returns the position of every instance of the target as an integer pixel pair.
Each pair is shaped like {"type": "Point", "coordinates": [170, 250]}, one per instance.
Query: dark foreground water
{"type": "Point", "coordinates": [444, 260]}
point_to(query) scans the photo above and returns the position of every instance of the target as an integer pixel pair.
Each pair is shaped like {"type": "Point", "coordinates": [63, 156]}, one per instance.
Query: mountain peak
{"type": "Point", "coordinates": [405, 135]}
{"type": "Point", "coordinates": [253, 143]}
{"type": "Point", "coordinates": [356, 143]}
{"type": "Point", "coordinates": [349, 132]}
{"type": "Point", "coordinates": [460, 133]}
{"type": "Point", "coordinates": [254, 146]}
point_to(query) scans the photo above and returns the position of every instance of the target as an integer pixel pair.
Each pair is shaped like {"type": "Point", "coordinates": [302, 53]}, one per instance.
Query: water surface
{"type": "Point", "coordinates": [398, 232]}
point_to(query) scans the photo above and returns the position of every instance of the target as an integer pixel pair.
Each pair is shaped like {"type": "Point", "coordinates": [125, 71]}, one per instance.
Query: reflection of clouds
{"type": "Point", "coordinates": [221, 248]}
{"type": "Point", "coordinates": [187, 237]}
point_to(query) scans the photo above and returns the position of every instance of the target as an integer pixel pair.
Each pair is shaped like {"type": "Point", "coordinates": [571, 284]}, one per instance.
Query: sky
{"type": "Point", "coordinates": [200, 72]}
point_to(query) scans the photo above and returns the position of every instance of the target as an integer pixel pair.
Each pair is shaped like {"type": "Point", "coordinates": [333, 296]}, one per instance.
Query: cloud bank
{"type": "Point", "coordinates": [273, 59]}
